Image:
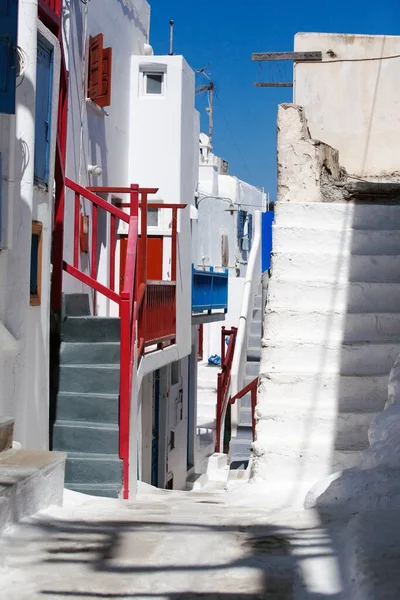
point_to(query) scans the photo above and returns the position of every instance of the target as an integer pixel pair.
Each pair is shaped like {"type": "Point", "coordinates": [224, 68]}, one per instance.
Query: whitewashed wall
{"type": "Point", "coordinates": [95, 136]}
{"type": "Point", "coordinates": [350, 101]}
{"type": "Point", "coordinates": [163, 130]}
{"type": "Point", "coordinates": [213, 222]}
{"type": "Point", "coordinates": [24, 329]}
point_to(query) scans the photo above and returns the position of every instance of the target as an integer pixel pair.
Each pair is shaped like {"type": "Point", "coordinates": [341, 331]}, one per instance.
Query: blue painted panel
{"type": "Point", "coordinates": [8, 54]}
{"type": "Point", "coordinates": [209, 290]}
{"type": "Point", "coordinates": [43, 110]}
{"type": "Point", "coordinates": [250, 229]}
{"type": "Point", "coordinates": [241, 217]}
{"type": "Point", "coordinates": [266, 240]}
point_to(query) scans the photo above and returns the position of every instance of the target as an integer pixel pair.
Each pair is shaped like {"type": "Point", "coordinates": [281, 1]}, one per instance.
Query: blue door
{"type": "Point", "coordinates": [43, 110]}
{"type": "Point", "coordinates": [8, 54]}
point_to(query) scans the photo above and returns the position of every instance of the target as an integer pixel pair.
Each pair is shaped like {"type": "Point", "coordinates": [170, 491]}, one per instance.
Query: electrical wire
{"type": "Point", "coordinates": [339, 60]}
{"type": "Point", "coordinates": [233, 138]}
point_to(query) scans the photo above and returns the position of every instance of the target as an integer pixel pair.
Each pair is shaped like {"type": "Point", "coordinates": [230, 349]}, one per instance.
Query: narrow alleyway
{"type": "Point", "coordinates": [171, 546]}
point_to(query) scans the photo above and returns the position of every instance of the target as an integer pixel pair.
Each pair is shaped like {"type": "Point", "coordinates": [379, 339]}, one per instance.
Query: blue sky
{"type": "Point", "coordinates": [225, 33]}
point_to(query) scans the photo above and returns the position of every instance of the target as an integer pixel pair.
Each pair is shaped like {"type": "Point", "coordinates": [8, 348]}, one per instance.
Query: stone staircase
{"type": "Point", "coordinates": [332, 334]}
{"type": "Point", "coordinates": [241, 446]}
{"type": "Point", "coordinates": [86, 411]}
{"type": "Point", "coordinates": [30, 480]}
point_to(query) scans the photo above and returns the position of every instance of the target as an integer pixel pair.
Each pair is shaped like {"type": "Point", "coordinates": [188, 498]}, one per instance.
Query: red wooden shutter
{"type": "Point", "coordinates": [95, 66]}
{"type": "Point", "coordinates": [104, 97]}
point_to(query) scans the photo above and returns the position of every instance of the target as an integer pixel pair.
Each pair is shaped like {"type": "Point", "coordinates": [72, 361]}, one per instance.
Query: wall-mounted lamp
{"type": "Point", "coordinates": [232, 208]}
{"type": "Point", "coordinates": [95, 170]}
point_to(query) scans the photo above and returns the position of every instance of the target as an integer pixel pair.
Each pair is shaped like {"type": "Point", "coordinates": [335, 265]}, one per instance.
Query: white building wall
{"type": "Point", "coordinates": [214, 221]}
{"type": "Point", "coordinates": [24, 329]}
{"type": "Point", "coordinates": [96, 136]}
{"type": "Point", "coordinates": [161, 156]}
{"type": "Point", "coordinates": [351, 99]}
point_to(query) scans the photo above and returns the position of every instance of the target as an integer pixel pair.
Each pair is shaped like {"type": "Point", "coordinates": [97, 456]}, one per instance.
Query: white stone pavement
{"type": "Point", "coordinates": [172, 546]}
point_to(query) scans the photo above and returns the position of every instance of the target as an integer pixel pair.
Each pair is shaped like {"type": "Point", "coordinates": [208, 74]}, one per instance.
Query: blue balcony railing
{"type": "Point", "coordinates": [209, 290]}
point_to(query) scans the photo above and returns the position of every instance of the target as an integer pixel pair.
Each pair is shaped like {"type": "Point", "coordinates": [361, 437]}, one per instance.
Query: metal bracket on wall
{"type": "Point", "coordinates": [278, 56]}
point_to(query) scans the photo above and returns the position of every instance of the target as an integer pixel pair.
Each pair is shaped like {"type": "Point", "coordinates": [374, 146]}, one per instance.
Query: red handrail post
{"type": "Point", "coordinates": [77, 211]}
{"type": "Point", "coordinates": [125, 391]}
{"type": "Point", "coordinates": [218, 415]}
{"type": "Point", "coordinates": [223, 345]}
{"type": "Point", "coordinates": [253, 409]}
{"type": "Point", "coordinates": [93, 266]}
{"type": "Point", "coordinates": [113, 242]}
{"type": "Point", "coordinates": [174, 243]}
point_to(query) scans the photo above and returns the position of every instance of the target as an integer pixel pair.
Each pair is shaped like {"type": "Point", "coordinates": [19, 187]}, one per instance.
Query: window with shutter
{"type": "Point", "coordinates": [99, 76]}
{"type": "Point", "coordinates": [8, 54]}
{"type": "Point", "coordinates": [104, 98]}
{"type": "Point", "coordinates": [44, 86]}
{"type": "Point", "coordinates": [95, 65]}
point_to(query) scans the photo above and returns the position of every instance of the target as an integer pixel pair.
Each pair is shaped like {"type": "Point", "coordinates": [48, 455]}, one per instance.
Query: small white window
{"type": "Point", "coordinates": [154, 84]}
{"type": "Point", "coordinates": [152, 217]}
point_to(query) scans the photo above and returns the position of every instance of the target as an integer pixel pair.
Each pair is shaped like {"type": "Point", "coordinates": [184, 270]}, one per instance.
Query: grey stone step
{"type": "Point", "coordinates": [254, 340]}
{"type": "Point", "coordinates": [252, 369]}
{"type": "Point", "coordinates": [106, 490]}
{"type": "Point", "coordinates": [254, 353]}
{"type": "Point", "coordinates": [30, 481]}
{"type": "Point", "coordinates": [93, 468]}
{"type": "Point", "coordinates": [336, 269]}
{"type": "Point", "coordinates": [6, 433]}
{"type": "Point", "coordinates": [90, 329]}
{"type": "Point", "coordinates": [257, 301]}
{"type": "Point", "coordinates": [240, 449]}
{"type": "Point", "coordinates": [76, 353]}
{"type": "Point", "coordinates": [256, 315]}
{"type": "Point", "coordinates": [245, 416]}
{"type": "Point", "coordinates": [346, 359]}
{"type": "Point", "coordinates": [331, 326]}
{"type": "Point", "coordinates": [245, 432]}
{"type": "Point", "coordinates": [76, 305]}
{"type": "Point", "coordinates": [256, 328]}
{"type": "Point", "coordinates": [353, 297]}
{"type": "Point", "coordinates": [359, 242]}
{"type": "Point", "coordinates": [94, 379]}
{"type": "Point", "coordinates": [94, 438]}
{"type": "Point", "coordinates": [350, 393]}
{"type": "Point", "coordinates": [325, 215]}
{"type": "Point", "coordinates": [102, 408]}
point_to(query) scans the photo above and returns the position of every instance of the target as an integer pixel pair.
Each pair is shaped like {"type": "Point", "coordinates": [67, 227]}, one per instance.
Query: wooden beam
{"type": "Point", "coordinates": [295, 56]}
{"type": "Point", "coordinates": [270, 84]}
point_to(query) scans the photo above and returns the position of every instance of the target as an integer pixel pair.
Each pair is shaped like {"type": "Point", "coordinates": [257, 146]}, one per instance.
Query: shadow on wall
{"type": "Point", "coordinates": [150, 559]}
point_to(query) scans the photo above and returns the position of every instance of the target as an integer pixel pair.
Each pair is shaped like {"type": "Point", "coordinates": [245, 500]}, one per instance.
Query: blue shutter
{"type": "Point", "coordinates": [43, 110]}
{"type": "Point", "coordinates": [8, 54]}
{"type": "Point", "coordinates": [240, 223]}
{"type": "Point", "coordinates": [250, 229]}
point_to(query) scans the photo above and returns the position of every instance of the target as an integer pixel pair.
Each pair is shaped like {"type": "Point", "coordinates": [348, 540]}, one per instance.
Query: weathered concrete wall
{"type": "Point", "coordinates": [351, 99]}
{"type": "Point", "coordinates": [308, 170]}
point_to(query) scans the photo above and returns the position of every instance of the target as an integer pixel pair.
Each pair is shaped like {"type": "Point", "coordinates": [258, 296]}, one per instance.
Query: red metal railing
{"type": "Point", "coordinates": [160, 312]}
{"type": "Point", "coordinates": [147, 308]}
{"type": "Point", "coordinates": [223, 381]}
{"type": "Point", "coordinates": [252, 388]}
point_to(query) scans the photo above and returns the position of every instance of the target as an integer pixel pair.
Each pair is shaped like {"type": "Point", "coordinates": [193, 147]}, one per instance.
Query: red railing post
{"type": "Point", "coordinates": [77, 215]}
{"type": "Point", "coordinates": [124, 392]}
{"type": "Point", "coordinates": [113, 242]}
{"type": "Point", "coordinates": [253, 409]}
{"type": "Point", "coordinates": [93, 265]}
{"type": "Point", "coordinates": [222, 345]}
{"type": "Point", "coordinates": [174, 243]}
{"type": "Point", "coordinates": [219, 413]}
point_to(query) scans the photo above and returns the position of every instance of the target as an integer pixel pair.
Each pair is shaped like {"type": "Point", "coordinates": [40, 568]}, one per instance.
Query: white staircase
{"type": "Point", "coordinates": [331, 335]}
